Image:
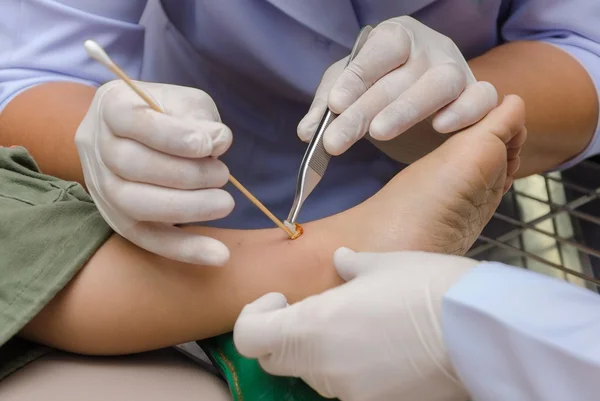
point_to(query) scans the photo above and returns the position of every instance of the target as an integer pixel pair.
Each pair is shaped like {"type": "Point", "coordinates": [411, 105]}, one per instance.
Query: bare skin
{"type": "Point", "coordinates": [126, 300]}
{"type": "Point", "coordinates": [48, 135]}
{"type": "Point", "coordinates": [562, 102]}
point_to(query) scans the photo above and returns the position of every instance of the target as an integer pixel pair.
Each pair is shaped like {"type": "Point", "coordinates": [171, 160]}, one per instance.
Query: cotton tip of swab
{"type": "Point", "coordinates": [95, 51]}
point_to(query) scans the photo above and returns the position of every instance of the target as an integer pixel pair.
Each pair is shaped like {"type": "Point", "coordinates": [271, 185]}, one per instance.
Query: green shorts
{"type": "Point", "coordinates": [49, 228]}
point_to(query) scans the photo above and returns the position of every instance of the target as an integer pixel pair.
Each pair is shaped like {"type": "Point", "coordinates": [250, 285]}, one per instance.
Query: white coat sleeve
{"type": "Point", "coordinates": [42, 41]}
{"type": "Point", "coordinates": [516, 335]}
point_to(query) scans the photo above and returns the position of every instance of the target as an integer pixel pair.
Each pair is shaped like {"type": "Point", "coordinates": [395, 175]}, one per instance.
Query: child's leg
{"type": "Point", "coordinates": [152, 376]}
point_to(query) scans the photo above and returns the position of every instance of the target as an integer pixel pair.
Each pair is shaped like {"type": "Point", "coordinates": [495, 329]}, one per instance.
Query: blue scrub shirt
{"type": "Point", "coordinates": [261, 61]}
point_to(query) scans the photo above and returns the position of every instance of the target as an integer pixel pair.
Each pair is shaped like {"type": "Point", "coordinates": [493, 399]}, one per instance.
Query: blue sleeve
{"type": "Point", "coordinates": [42, 41]}
{"type": "Point", "coordinates": [573, 26]}
{"type": "Point", "coordinates": [516, 335]}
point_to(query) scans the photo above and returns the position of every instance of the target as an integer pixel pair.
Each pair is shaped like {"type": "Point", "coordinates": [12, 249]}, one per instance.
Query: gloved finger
{"type": "Point", "coordinates": [353, 264]}
{"type": "Point", "coordinates": [436, 88]}
{"type": "Point", "coordinates": [267, 303]}
{"type": "Point", "coordinates": [166, 133]}
{"type": "Point", "coordinates": [354, 122]}
{"type": "Point", "coordinates": [133, 161]}
{"type": "Point", "coordinates": [144, 202]}
{"type": "Point", "coordinates": [350, 264]}
{"type": "Point", "coordinates": [292, 352]}
{"type": "Point", "coordinates": [471, 106]}
{"type": "Point", "coordinates": [254, 334]}
{"type": "Point", "coordinates": [308, 125]}
{"type": "Point", "coordinates": [190, 105]}
{"type": "Point", "coordinates": [178, 244]}
{"type": "Point", "coordinates": [275, 337]}
{"type": "Point", "coordinates": [292, 335]}
{"type": "Point", "coordinates": [182, 102]}
{"type": "Point", "coordinates": [387, 48]}
{"type": "Point", "coordinates": [277, 366]}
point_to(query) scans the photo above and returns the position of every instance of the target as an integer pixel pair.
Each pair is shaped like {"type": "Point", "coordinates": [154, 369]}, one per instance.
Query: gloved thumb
{"type": "Point", "coordinates": [350, 264]}
{"type": "Point", "coordinates": [256, 331]}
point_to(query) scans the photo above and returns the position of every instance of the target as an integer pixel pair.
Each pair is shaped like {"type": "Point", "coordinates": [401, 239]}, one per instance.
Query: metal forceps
{"type": "Point", "coordinates": [315, 160]}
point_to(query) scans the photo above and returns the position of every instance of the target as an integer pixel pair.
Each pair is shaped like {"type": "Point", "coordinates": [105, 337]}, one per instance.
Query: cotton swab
{"type": "Point", "coordinates": [96, 52]}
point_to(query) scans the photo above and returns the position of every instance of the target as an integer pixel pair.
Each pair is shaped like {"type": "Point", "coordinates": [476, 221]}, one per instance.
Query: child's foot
{"type": "Point", "coordinates": [442, 202]}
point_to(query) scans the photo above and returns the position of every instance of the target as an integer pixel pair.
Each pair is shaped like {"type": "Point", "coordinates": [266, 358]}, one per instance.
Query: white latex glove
{"type": "Point", "coordinates": [404, 73]}
{"type": "Point", "coordinates": [148, 171]}
{"type": "Point", "coordinates": [375, 338]}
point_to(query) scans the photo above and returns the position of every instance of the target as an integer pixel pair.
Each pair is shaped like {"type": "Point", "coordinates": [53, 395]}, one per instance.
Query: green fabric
{"type": "Point", "coordinates": [49, 228]}
{"type": "Point", "coordinates": [247, 381]}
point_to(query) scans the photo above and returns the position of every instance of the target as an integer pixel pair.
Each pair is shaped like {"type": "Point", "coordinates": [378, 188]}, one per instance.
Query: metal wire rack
{"type": "Point", "coordinates": [549, 223]}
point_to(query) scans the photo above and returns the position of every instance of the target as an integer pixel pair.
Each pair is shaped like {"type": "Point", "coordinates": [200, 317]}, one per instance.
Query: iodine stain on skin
{"type": "Point", "coordinates": [298, 233]}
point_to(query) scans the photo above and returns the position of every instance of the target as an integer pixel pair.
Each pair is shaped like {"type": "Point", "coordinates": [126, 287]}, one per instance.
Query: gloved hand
{"type": "Point", "coordinates": [404, 73]}
{"type": "Point", "coordinates": [375, 338]}
{"type": "Point", "coordinates": [148, 171]}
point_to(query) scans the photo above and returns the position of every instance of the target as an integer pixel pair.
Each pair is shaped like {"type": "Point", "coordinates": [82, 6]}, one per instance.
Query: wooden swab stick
{"type": "Point", "coordinates": [262, 207]}
{"type": "Point", "coordinates": [95, 51]}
